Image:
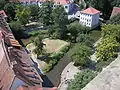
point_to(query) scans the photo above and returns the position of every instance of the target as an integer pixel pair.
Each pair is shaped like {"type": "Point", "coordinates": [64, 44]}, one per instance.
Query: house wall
{"type": "Point", "coordinates": [89, 20]}
{"type": "Point", "coordinates": [95, 19]}
{"type": "Point", "coordinates": [85, 19]}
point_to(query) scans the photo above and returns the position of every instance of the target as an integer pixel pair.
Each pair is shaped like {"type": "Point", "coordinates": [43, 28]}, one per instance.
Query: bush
{"type": "Point", "coordinates": [81, 79]}
{"type": "Point", "coordinates": [102, 64]}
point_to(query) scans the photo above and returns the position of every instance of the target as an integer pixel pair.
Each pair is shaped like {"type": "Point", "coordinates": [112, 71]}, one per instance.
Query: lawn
{"type": "Point", "coordinates": [54, 45]}
{"type": "Point", "coordinates": [96, 34]}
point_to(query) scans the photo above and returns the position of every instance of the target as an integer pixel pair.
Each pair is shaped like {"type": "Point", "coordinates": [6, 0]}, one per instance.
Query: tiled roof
{"type": "Point", "coordinates": [15, 62]}
{"type": "Point", "coordinates": [58, 2]}
{"type": "Point", "coordinates": [62, 2]}
{"type": "Point", "coordinates": [2, 12]}
{"type": "Point", "coordinates": [35, 88]}
{"type": "Point", "coordinates": [90, 11]}
{"type": "Point", "coordinates": [116, 10]}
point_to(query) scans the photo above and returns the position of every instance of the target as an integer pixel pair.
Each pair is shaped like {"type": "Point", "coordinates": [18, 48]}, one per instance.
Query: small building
{"type": "Point", "coordinates": [89, 17]}
{"type": "Point", "coordinates": [116, 10]}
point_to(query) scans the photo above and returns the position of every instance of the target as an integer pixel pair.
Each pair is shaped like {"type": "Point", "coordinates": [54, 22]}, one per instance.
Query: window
{"type": "Point", "coordinates": [66, 6]}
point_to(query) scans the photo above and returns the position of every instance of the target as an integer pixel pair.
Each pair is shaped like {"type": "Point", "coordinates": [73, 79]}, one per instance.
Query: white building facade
{"type": "Point", "coordinates": [89, 17]}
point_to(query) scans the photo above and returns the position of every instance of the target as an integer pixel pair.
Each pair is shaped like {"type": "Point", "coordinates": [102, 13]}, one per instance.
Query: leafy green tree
{"type": "Point", "coordinates": [45, 13]}
{"type": "Point", "coordinates": [75, 28]}
{"type": "Point", "coordinates": [112, 31]}
{"type": "Point", "coordinates": [85, 38]}
{"type": "Point", "coordinates": [81, 79]}
{"type": "Point", "coordinates": [2, 4]}
{"type": "Point", "coordinates": [10, 10]}
{"type": "Point", "coordinates": [80, 55]}
{"type": "Point", "coordinates": [17, 29]}
{"type": "Point", "coordinates": [107, 49]}
{"type": "Point", "coordinates": [34, 9]}
{"type": "Point", "coordinates": [23, 14]}
{"type": "Point", "coordinates": [114, 20]}
{"type": "Point", "coordinates": [39, 50]}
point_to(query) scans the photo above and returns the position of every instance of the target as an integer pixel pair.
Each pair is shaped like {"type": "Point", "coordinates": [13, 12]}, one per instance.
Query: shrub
{"type": "Point", "coordinates": [81, 79]}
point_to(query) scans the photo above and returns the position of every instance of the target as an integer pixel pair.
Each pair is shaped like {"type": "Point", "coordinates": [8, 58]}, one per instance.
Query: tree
{"type": "Point", "coordinates": [23, 14]}
{"type": "Point", "coordinates": [17, 29]}
{"type": "Point", "coordinates": [107, 49]}
{"type": "Point", "coordinates": [39, 50]}
{"type": "Point", "coordinates": [34, 9]}
{"type": "Point", "coordinates": [10, 10]}
{"type": "Point", "coordinates": [81, 79]}
{"type": "Point", "coordinates": [45, 13]}
{"type": "Point", "coordinates": [85, 38]}
{"type": "Point", "coordinates": [75, 28]}
{"type": "Point", "coordinates": [111, 31]}
{"type": "Point", "coordinates": [2, 4]}
{"type": "Point", "coordinates": [114, 20]}
{"type": "Point", "coordinates": [80, 55]}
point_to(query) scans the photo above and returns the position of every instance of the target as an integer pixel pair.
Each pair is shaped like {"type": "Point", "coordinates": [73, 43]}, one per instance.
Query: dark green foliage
{"type": "Point", "coordinates": [22, 14]}
{"type": "Point", "coordinates": [114, 20]}
{"type": "Point", "coordinates": [74, 29]}
{"type": "Point", "coordinates": [17, 29]}
{"type": "Point", "coordinates": [10, 10]}
{"type": "Point", "coordinates": [2, 4]}
{"type": "Point", "coordinates": [39, 50]}
{"type": "Point", "coordinates": [102, 64]}
{"type": "Point", "coordinates": [34, 9]}
{"type": "Point", "coordinates": [81, 79]}
{"type": "Point", "coordinates": [45, 13]}
{"type": "Point", "coordinates": [80, 55]}
{"type": "Point", "coordinates": [85, 38]}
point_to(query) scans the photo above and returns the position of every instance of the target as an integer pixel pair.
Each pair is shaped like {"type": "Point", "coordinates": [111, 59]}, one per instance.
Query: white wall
{"type": "Point", "coordinates": [88, 19]}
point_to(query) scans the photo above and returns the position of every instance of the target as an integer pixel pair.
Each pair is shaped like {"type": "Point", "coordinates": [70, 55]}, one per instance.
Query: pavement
{"type": "Point", "coordinates": [67, 74]}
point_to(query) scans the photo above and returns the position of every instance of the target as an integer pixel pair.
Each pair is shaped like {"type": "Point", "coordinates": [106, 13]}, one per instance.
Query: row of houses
{"type": "Point", "coordinates": [67, 4]}
{"type": "Point", "coordinates": [17, 69]}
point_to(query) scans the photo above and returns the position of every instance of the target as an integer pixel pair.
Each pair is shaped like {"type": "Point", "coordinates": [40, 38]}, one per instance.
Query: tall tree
{"type": "Point", "coordinates": [23, 14]}
{"type": "Point", "coordinates": [45, 13]}
{"type": "Point", "coordinates": [34, 9]}
{"type": "Point", "coordinates": [60, 19]}
{"type": "Point", "coordinates": [80, 55]}
{"type": "Point", "coordinates": [108, 47]}
{"type": "Point", "coordinates": [10, 10]}
{"type": "Point", "coordinates": [39, 50]}
{"type": "Point", "coordinates": [2, 4]}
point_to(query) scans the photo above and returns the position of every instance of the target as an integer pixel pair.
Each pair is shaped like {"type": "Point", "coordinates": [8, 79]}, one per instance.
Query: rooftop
{"type": "Point", "coordinates": [90, 11]}
{"type": "Point", "coordinates": [116, 10]}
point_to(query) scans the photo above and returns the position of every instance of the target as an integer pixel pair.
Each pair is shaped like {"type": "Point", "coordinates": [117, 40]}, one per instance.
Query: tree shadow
{"type": "Point", "coordinates": [47, 82]}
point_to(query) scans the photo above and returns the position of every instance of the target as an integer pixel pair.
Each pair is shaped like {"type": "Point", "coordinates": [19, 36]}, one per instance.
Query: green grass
{"type": "Point", "coordinates": [96, 34]}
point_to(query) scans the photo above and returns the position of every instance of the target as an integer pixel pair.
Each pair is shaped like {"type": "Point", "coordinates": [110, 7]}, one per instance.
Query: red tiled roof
{"type": "Point", "coordinates": [90, 11]}
{"type": "Point", "coordinates": [13, 59]}
{"type": "Point", "coordinates": [62, 2]}
{"type": "Point", "coordinates": [116, 10]}
{"type": "Point", "coordinates": [2, 12]}
{"type": "Point", "coordinates": [34, 88]}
